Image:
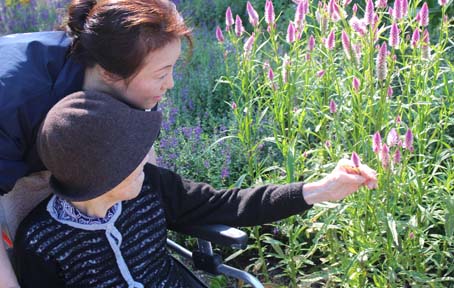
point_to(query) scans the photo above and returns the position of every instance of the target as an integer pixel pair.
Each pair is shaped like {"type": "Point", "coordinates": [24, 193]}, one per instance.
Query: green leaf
{"type": "Point", "coordinates": [393, 229]}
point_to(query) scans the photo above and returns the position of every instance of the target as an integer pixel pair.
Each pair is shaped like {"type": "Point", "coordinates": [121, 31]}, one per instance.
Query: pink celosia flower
{"type": "Point", "coordinates": [382, 68]}
{"type": "Point", "coordinates": [425, 49]}
{"type": "Point", "coordinates": [333, 11]}
{"type": "Point", "coordinates": [354, 9]}
{"type": "Point", "coordinates": [397, 10]}
{"type": "Point", "coordinates": [376, 142]}
{"type": "Point", "coordinates": [394, 38]}
{"type": "Point", "coordinates": [442, 2]}
{"type": "Point", "coordinates": [234, 106]}
{"type": "Point", "coordinates": [358, 25]}
{"type": "Point", "coordinates": [356, 84]}
{"type": "Point", "coordinates": [384, 156]}
{"type": "Point", "coordinates": [249, 43]}
{"type": "Point", "coordinates": [390, 91]}
{"type": "Point", "coordinates": [330, 41]}
{"type": "Point", "coordinates": [346, 2]}
{"type": "Point", "coordinates": [381, 3]}
{"type": "Point", "coordinates": [369, 13]}
{"type": "Point", "coordinates": [291, 33]}
{"type": "Point", "coordinates": [397, 156]}
{"type": "Point", "coordinates": [269, 13]}
{"type": "Point", "coordinates": [311, 43]}
{"type": "Point", "coordinates": [219, 35]}
{"type": "Point", "coordinates": [271, 74]}
{"type": "Point", "coordinates": [228, 19]}
{"type": "Point", "coordinates": [357, 52]}
{"type": "Point", "coordinates": [320, 73]}
{"type": "Point", "coordinates": [239, 29]}
{"type": "Point", "coordinates": [322, 19]}
{"type": "Point", "coordinates": [355, 159]}
{"type": "Point", "coordinates": [393, 138]}
{"type": "Point", "coordinates": [346, 44]}
{"type": "Point", "coordinates": [404, 7]}
{"type": "Point", "coordinates": [300, 14]}
{"type": "Point", "coordinates": [332, 106]}
{"type": "Point", "coordinates": [398, 119]}
{"type": "Point", "coordinates": [285, 65]}
{"type": "Point", "coordinates": [253, 15]}
{"type": "Point", "coordinates": [424, 15]}
{"type": "Point", "coordinates": [415, 38]}
{"type": "Point", "coordinates": [408, 144]}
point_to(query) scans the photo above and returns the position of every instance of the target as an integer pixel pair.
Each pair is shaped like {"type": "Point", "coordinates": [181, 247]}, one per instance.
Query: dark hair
{"type": "Point", "coordinates": [118, 34]}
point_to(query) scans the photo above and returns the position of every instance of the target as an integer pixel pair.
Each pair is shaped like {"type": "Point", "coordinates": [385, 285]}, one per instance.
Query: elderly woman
{"type": "Point", "coordinates": [105, 225]}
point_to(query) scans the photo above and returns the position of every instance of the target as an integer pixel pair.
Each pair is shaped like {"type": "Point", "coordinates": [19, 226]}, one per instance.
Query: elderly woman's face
{"type": "Point", "coordinates": [130, 187]}
{"type": "Point", "coordinates": [148, 87]}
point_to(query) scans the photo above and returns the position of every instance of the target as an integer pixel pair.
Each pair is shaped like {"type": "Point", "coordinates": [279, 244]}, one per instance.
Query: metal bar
{"type": "Point", "coordinates": [179, 249]}
{"type": "Point", "coordinates": [239, 274]}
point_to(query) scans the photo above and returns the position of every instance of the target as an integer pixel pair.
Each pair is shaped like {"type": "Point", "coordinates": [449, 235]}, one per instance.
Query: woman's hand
{"type": "Point", "coordinates": [345, 179]}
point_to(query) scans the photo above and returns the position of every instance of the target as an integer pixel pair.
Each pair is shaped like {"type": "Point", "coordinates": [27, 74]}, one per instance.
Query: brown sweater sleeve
{"type": "Point", "coordinates": [198, 203]}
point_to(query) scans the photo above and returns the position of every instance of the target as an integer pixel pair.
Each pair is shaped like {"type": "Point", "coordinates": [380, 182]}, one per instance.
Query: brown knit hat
{"type": "Point", "coordinates": [91, 142]}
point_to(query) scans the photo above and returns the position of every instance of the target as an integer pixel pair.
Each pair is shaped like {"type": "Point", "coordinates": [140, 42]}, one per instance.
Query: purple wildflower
{"type": "Point", "coordinates": [225, 173]}
{"type": "Point", "coordinates": [320, 73]}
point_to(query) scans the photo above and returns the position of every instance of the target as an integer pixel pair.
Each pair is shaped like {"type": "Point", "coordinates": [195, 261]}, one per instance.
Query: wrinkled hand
{"type": "Point", "coordinates": [341, 182]}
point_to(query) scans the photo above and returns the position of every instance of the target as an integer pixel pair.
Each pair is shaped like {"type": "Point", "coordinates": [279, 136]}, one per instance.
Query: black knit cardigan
{"type": "Point", "coordinates": [49, 253]}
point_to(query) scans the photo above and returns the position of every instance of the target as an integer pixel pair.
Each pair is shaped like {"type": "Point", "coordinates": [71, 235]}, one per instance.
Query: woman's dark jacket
{"type": "Point", "coordinates": [35, 73]}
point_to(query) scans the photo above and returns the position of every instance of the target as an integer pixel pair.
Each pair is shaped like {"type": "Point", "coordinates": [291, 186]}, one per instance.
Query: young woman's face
{"type": "Point", "coordinates": [148, 87]}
